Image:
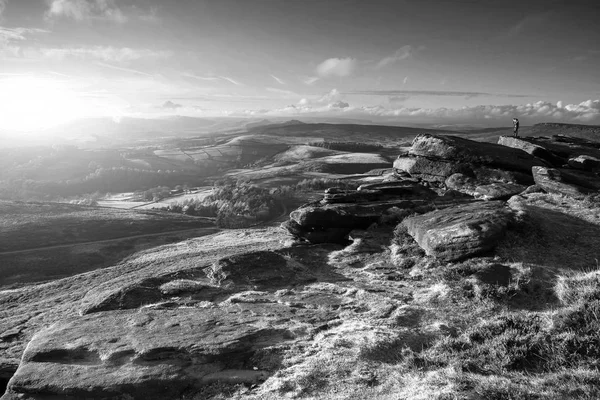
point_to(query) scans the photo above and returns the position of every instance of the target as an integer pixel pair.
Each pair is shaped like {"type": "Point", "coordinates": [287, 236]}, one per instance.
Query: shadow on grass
{"type": "Point", "coordinates": [554, 240]}
{"type": "Point", "coordinates": [50, 264]}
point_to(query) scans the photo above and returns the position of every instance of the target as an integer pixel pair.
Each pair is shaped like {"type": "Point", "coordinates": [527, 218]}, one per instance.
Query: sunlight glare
{"type": "Point", "coordinates": [30, 103]}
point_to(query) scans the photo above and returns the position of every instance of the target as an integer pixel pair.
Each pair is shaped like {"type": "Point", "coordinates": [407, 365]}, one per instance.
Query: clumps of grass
{"type": "Point", "coordinates": [405, 252]}
{"type": "Point", "coordinates": [573, 288]}
{"type": "Point", "coordinates": [592, 200]}
{"type": "Point", "coordinates": [395, 349]}
{"type": "Point", "coordinates": [531, 342]}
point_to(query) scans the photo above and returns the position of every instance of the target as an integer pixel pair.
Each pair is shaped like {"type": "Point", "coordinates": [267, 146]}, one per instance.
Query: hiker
{"type": "Point", "coordinates": [515, 127]}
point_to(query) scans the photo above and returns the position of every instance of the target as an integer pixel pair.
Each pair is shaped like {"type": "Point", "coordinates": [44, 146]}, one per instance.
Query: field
{"type": "Point", "coordinates": [34, 225]}
{"type": "Point", "coordinates": [48, 264]}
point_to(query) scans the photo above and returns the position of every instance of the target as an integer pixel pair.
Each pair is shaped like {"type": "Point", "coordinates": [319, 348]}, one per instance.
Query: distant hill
{"type": "Point", "coordinates": [33, 225]}
{"type": "Point", "coordinates": [590, 132]}
{"type": "Point", "coordinates": [46, 241]}
{"type": "Point", "coordinates": [346, 132]}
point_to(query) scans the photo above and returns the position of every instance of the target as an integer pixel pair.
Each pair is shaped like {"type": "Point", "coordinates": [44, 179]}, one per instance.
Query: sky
{"type": "Point", "coordinates": [478, 62]}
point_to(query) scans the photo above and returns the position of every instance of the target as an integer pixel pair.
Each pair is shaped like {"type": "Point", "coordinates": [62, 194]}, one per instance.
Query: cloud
{"type": "Point", "coordinates": [10, 34]}
{"type": "Point", "coordinates": [529, 22]}
{"type": "Point", "coordinates": [107, 54]}
{"type": "Point", "coordinates": [129, 70]}
{"type": "Point", "coordinates": [493, 115]}
{"type": "Point", "coordinates": [201, 78]}
{"type": "Point", "coordinates": [170, 105]}
{"type": "Point", "coordinates": [310, 80]}
{"type": "Point", "coordinates": [395, 100]}
{"type": "Point", "coordinates": [213, 78]}
{"type": "Point", "coordinates": [278, 80]}
{"type": "Point", "coordinates": [99, 10]}
{"type": "Point", "coordinates": [587, 111]}
{"type": "Point", "coordinates": [231, 80]}
{"type": "Point", "coordinates": [3, 4]}
{"type": "Point", "coordinates": [432, 93]}
{"type": "Point", "coordinates": [339, 104]}
{"type": "Point", "coordinates": [329, 101]}
{"type": "Point", "coordinates": [331, 96]}
{"type": "Point", "coordinates": [402, 53]}
{"type": "Point", "coordinates": [281, 91]}
{"type": "Point", "coordinates": [84, 10]}
{"type": "Point", "coordinates": [340, 67]}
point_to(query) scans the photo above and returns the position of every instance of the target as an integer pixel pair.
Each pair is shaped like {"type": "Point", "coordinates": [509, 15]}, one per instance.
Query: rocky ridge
{"type": "Point", "coordinates": [255, 309]}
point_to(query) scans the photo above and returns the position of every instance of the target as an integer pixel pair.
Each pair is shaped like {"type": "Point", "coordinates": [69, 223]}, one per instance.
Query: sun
{"type": "Point", "coordinates": [32, 103]}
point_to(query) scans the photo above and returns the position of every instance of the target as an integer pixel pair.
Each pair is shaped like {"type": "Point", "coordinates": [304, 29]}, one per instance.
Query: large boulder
{"type": "Point", "coordinates": [461, 231]}
{"type": "Point", "coordinates": [331, 223]}
{"type": "Point", "coordinates": [155, 354]}
{"type": "Point", "coordinates": [348, 215]}
{"type": "Point", "coordinates": [435, 158]}
{"type": "Point", "coordinates": [569, 182]}
{"type": "Point", "coordinates": [455, 149]}
{"type": "Point", "coordinates": [533, 147]}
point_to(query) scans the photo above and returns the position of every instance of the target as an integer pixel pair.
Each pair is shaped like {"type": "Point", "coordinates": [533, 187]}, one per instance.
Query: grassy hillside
{"type": "Point", "coordinates": [32, 225]}
{"type": "Point", "coordinates": [42, 241]}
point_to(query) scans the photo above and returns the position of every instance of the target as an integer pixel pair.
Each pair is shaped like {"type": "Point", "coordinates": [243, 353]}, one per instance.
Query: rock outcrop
{"type": "Point", "coordinates": [460, 232]}
{"type": "Point", "coordinates": [570, 182]}
{"type": "Point", "coordinates": [435, 158]}
{"type": "Point", "coordinates": [532, 147]}
{"type": "Point", "coordinates": [340, 211]}
{"type": "Point", "coordinates": [584, 162]}
{"type": "Point", "coordinates": [556, 150]}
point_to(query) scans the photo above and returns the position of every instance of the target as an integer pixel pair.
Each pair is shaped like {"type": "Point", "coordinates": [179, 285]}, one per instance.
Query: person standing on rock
{"type": "Point", "coordinates": [515, 127]}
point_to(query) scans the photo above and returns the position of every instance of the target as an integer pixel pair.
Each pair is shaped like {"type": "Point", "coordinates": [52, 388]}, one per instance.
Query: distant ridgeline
{"type": "Point", "coordinates": [590, 132]}
{"type": "Point", "coordinates": [356, 147]}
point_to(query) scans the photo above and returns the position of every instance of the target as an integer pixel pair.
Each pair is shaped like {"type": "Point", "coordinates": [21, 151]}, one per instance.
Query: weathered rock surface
{"type": "Point", "coordinates": [350, 196]}
{"type": "Point", "coordinates": [586, 163]}
{"type": "Point", "coordinates": [405, 189]}
{"type": "Point", "coordinates": [570, 182]}
{"type": "Point", "coordinates": [249, 271]}
{"type": "Point", "coordinates": [154, 354]}
{"type": "Point", "coordinates": [532, 147]}
{"type": "Point", "coordinates": [462, 231]}
{"type": "Point", "coordinates": [353, 216]}
{"type": "Point", "coordinates": [555, 150]}
{"type": "Point", "coordinates": [435, 158]}
{"type": "Point", "coordinates": [490, 191]}
{"type": "Point", "coordinates": [259, 270]}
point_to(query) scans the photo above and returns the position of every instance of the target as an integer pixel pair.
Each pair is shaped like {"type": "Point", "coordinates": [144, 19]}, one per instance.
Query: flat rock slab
{"type": "Point", "coordinates": [154, 354]}
{"type": "Point", "coordinates": [569, 182]}
{"type": "Point", "coordinates": [486, 191]}
{"type": "Point", "coordinates": [457, 149]}
{"type": "Point", "coordinates": [247, 271]}
{"type": "Point", "coordinates": [259, 270]}
{"type": "Point", "coordinates": [460, 232]}
{"type": "Point", "coordinates": [533, 147]}
{"type": "Point", "coordinates": [555, 150]}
